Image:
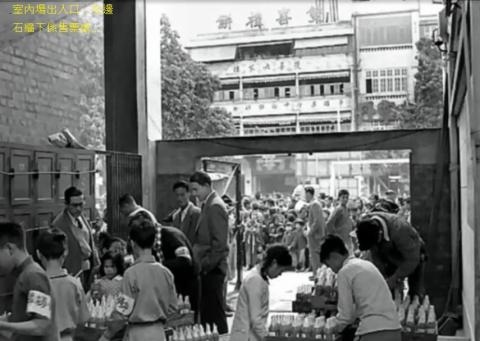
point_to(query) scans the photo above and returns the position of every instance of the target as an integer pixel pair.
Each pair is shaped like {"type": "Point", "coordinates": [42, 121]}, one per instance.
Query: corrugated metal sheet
{"type": "Point", "coordinates": [320, 42]}
{"type": "Point", "coordinates": [214, 53]}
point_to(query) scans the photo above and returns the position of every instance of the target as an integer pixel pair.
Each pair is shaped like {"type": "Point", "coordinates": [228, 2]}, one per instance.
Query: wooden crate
{"type": "Point", "coordinates": [419, 337]}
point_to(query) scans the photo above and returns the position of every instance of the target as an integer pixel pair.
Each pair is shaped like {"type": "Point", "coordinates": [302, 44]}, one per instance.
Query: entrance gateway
{"type": "Point", "coordinates": [177, 160]}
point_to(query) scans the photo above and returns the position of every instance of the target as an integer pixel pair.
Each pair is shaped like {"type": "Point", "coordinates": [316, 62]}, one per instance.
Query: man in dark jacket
{"type": "Point", "coordinates": [82, 258]}
{"type": "Point", "coordinates": [186, 216]}
{"type": "Point", "coordinates": [395, 248]}
{"type": "Point", "coordinates": [211, 248]}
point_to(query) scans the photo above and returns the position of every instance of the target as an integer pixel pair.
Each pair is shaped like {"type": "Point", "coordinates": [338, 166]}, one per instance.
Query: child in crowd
{"type": "Point", "coordinates": [288, 239]}
{"type": "Point", "coordinates": [119, 246]}
{"type": "Point", "coordinates": [298, 245]}
{"type": "Point", "coordinates": [33, 309]}
{"type": "Point", "coordinates": [70, 304]}
{"type": "Point", "coordinates": [111, 272]}
{"type": "Point", "coordinates": [150, 286]}
{"type": "Point", "coordinates": [250, 321]}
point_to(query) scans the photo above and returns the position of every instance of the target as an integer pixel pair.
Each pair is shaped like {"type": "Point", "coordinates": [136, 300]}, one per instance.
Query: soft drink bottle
{"type": "Point", "coordinates": [431, 326]}
{"type": "Point", "coordinates": [215, 335]}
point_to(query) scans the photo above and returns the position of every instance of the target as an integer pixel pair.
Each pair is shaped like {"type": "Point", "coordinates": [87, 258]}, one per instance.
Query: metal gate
{"type": "Point", "coordinates": [124, 175]}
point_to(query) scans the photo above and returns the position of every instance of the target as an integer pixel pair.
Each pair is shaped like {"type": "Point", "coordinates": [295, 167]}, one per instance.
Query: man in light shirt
{"type": "Point", "coordinates": [339, 222]}
{"type": "Point", "coordinates": [316, 228]}
{"type": "Point", "coordinates": [363, 294]}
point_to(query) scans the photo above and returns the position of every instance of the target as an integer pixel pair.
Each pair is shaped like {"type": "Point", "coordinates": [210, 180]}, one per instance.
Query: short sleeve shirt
{"type": "Point", "coordinates": [32, 298]}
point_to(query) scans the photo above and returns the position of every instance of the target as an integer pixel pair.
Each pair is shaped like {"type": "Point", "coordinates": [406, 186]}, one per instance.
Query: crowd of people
{"type": "Point", "coordinates": [193, 253]}
{"type": "Point", "coordinates": [300, 222]}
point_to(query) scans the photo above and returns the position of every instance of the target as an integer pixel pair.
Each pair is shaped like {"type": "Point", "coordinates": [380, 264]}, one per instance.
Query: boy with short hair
{"type": "Point", "coordinates": [32, 311]}
{"type": "Point", "coordinates": [70, 303]}
{"type": "Point", "coordinates": [363, 294]}
{"type": "Point", "coordinates": [299, 244]}
{"type": "Point", "coordinates": [149, 286]}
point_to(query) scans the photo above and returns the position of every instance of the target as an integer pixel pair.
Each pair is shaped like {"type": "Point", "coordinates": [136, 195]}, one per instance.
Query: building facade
{"type": "Point", "coordinates": [283, 80]}
{"type": "Point", "coordinates": [314, 79]}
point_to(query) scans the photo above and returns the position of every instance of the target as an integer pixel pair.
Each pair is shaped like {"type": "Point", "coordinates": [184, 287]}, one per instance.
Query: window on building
{"type": "Point", "coordinates": [341, 88]}
{"type": "Point", "coordinates": [368, 85]}
{"type": "Point", "coordinates": [398, 86]}
{"type": "Point", "coordinates": [287, 92]}
{"type": "Point", "coordinates": [255, 94]}
{"type": "Point", "coordinates": [276, 92]}
{"type": "Point", "coordinates": [390, 84]}
{"type": "Point", "coordinates": [386, 80]}
{"type": "Point", "coordinates": [312, 90]}
{"type": "Point", "coordinates": [332, 89]}
{"type": "Point", "coordinates": [382, 85]}
{"type": "Point", "coordinates": [231, 95]}
{"type": "Point", "coordinates": [322, 90]}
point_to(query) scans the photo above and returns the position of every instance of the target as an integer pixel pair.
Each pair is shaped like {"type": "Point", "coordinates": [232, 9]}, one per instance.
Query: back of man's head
{"type": "Point", "coordinates": [368, 233]}
{"type": "Point", "coordinates": [144, 234]}
{"type": "Point", "coordinates": [330, 244]}
{"type": "Point", "coordinates": [52, 244]}
{"type": "Point", "coordinates": [126, 199]}
{"type": "Point", "coordinates": [12, 233]}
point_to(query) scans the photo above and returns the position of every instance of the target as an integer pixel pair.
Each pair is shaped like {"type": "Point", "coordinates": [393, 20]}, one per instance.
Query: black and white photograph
{"type": "Point", "coordinates": [239, 170]}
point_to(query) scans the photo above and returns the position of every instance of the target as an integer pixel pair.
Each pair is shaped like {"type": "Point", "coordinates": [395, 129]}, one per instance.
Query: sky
{"type": "Point", "coordinates": [192, 17]}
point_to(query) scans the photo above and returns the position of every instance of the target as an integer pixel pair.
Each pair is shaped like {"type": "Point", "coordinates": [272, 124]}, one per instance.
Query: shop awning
{"type": "Point", "coordinates": [213, 53]}
{"type": "Point", "coordinates": [320, 42]}
{"type": "Point", "coordinates": [269, 79]}
{"type": "Point", "coordinates": [317, 75]}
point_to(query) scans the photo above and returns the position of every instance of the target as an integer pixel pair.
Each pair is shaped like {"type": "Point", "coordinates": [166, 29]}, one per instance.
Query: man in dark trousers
{"type": "Point", "coordinates": [395, 248]}
{"type": "Point", "coordinates": [211, 248]}
{"type": "Point", "coordinates": [186, 216]}
{"type": "Point", "coordinates": [82, 255]}
{"type": "Point", "coordinates": [178, 257]}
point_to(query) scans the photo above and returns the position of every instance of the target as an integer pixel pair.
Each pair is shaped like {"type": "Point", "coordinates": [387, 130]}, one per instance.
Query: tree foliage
{"type": "Point", "coordinates": [187, 93]}
{"type": "Point", "coordinates": [90, 61]}
{"type": "Point", "coordinates": [427, 109]}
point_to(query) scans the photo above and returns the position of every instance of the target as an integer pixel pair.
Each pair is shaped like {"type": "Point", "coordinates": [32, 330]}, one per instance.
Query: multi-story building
{"type": "Point", "coordinates": [428, 23]}
{"type": "Point", "coordinates": [283, 80]}
{"type": "Point", "coordinates": [386, 65]}
{"type": "Point", "coordinates": [312, 79]}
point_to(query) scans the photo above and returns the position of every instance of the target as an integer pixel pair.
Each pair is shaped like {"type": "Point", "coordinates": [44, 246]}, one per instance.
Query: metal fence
{"type": "Point", "coordinates": [124, 175]}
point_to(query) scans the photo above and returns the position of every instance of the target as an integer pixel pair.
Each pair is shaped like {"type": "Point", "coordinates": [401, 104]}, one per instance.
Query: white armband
{"type": "Point", "coordinates": [182, 251]}
{"type": "Point", "coordinates": [39, 303]}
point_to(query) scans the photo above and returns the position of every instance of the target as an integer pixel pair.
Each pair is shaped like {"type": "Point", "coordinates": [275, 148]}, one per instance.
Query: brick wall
{"type": "Point", "coordinates": [39, 87]}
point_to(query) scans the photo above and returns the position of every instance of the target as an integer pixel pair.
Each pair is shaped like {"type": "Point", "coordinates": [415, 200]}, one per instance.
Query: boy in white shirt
{"type": "Point", "coordinates": [363, 294]}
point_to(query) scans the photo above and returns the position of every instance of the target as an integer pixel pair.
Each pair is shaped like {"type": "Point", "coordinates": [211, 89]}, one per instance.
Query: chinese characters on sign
{"type": "Point", "coordinates": [283, 17]}
{"type": "Point", "coordinates": [255, 21]}
{"type": "Point", "coordinates": [22, 10]}
{"type": "Point", "coordinates": [224, 22]}
{"type": "Point", "coordinates": [270, 67]}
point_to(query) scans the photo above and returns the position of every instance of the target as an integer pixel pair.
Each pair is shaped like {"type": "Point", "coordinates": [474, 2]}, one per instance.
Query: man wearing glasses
{"type": "Point", "coordinates": [82, 256]}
